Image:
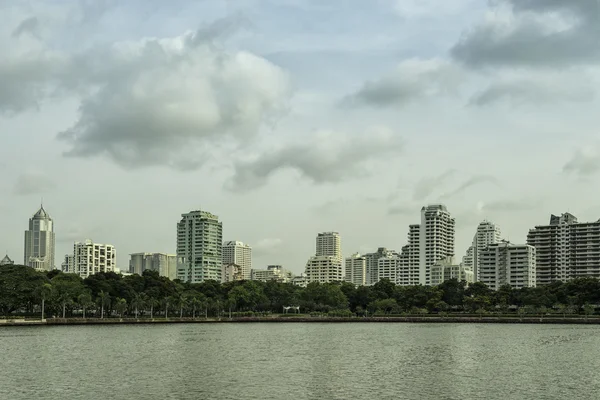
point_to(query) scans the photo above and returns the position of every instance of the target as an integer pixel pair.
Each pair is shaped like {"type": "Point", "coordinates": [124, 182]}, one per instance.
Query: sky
{"type": "Point", "coordinates": [291, 117]}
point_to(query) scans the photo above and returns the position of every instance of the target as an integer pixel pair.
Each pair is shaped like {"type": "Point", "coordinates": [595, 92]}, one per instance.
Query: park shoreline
{"type": "Point", "coordinates": [408, 319]}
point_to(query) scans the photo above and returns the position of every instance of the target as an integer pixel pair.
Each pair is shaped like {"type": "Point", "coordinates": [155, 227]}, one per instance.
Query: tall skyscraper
{"type": "Point", "coordinates": [90, 258]}
{"type": "Point", "coordinates": [326, 265]}
{"type": "Point", "coordinates": [164, 264]}
{"type": "Point", "coordinates": [199, 247]}
{"type": "Point", "coordinates": [487, 233]}
{"type": "Point", "coordinates": [356, 269]}
{"type": "Point", "coordinates": [566, 249]}
{"type": "Point", "coordinates": [39, 242]}
{"type": "Point", "coordinates": [428, 242]}
{"type": "Point", "coordinates": [372, 269]}
{"type": "Point", "coordinates": [510, 264]}
{"type": "Point", "coordinates": [240, 254]}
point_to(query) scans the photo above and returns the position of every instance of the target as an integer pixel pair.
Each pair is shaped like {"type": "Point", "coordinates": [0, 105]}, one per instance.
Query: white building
{"type": "Point", "coordinates": [68, 265]}
{"type": "Point", "coordinates": [238, 253]}
{"type": "Point", "coordinates": [566, 249]}
{"type": "Point", "coordinates": [90, 258]}
{"type": "Point", "coordinates": [329, 244]}
{"type": "Point", "coordinates": [39, 242]}
{"type": "Point", "coordinates": [6, 261]}
{"type": "Point", "coordinates": [444, 270]}
{"type": "Point", "coordinates": [231, 273]}
{"type": "Point", "coordinates": [387, 267]}
{"type": "Point", "coordinates": [300, 280]}
{"type": "Point", "coordinates": [273, 272]}
{"type": "Point", "coordinates": [199, 247]}
{"type": "Point", "coordinates": [408, 268]}
{"type": "Point", "coordinates": [164, 264]}
{"type": "Point", "coordinates": [508, 264]}
{"type": "Point", "coordinates": [487, 233]}
{"type": "Point", "coordinates": [324, 269]}
{"type": "Point", "coordinates": [371, 267]}
{"type": "Point", "coordinates": [356, 269]}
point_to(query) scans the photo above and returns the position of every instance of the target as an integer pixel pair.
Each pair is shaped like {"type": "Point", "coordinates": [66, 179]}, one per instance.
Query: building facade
{"type": "Point", "coordinates": [238, 253]}
{"type": "Point", "coordinates": [436, 239]}
{"type": "Point", "coordinates": [356, 269]}
{"type": "Point", "coordinates": [487, 233]}
{"type": "Point", "coordinates": [231, 273]}
{"type": "Point", "coordinates": [272, 273]}
{"type": "Point", "coordinates": [566, 249]}
{"type": "Point", "coordinates": [324, 269]}
{"type": "Point", "coordinates": [39, 242]}
{"type": "Point", "coordinates": [371, 267]}
{"type": "Point", "coordinates": [510, 264]}
{"type": "Point", "coordinates": [329, 244]}
{"type": "Point", "coordinates": [68, 265]}
{"type": "Point", "coordinates": [408, 268]}
{"type": "Point", "coordinates": [164, 264]}
{"type": "Point", "coordinates": [90, 258]}
{"type": "Point", "coordinates": [199, 247]}
{"type": "Point", "coordinates": [6, 261]}
{"type": "Point", "coordinates": [387, 267]}
{"type": "Point", "coordinates": [444, 270]}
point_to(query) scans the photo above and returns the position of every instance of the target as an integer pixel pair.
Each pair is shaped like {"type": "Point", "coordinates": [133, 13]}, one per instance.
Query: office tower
{"type": "Point", "coordinates": [505, 263]}
{"type": "Point", "coordinates": [436, 239]}
{"type": "Point", "coordinates": [239, 254]}
{"type": "Point", "coordinates": [90, 258]}
{"type": "Point", "coordinates": [372, 266]}
{"type": "Point", "coordinates": [164, 264]}
{"type": "Point", "coordinates": [199, 247]}
{"type": "Point", "coordinates": [566, 249]}
{"type": "Point", "coordinates": [356, 269]}
{"type": "Point", "coordinates": [329, 244]}
{"type": "Point", "coordinates": [487, 233]}
{"type": "Point", "coordinates": [326, 264]}
{"type": "Point", "coordinates": [39, 242]}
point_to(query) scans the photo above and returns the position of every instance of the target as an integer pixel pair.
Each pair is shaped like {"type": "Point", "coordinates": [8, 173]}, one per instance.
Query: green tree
{"type": "Point", "coordinates": [121, 306]}
{"type": "Point", "coordinates": [45, 291]}
{"type": "Point", "coordinates": [85, 301]}
{"type": "Point", "coordinates": [137, 302]}
{"type": "Point", "coordinates": [103, 301]}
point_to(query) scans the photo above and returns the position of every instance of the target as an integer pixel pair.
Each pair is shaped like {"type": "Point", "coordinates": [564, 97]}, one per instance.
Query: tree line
{"type": "Point", "coordinates": [24, 291]}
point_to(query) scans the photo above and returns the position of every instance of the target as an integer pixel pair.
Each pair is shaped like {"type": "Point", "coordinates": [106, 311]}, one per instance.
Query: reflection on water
{"type": "Point", "coordinates": [300, 361]}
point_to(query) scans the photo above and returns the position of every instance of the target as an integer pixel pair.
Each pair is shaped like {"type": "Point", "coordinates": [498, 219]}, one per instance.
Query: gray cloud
{"type": "Point", "coordinates": [426, 186]}
{"type": "Point", "coordinates": [33, 183]}
{"type": "Point", "coordinates": [30, 25]}
{"type": "Point", "coordinates": [584, 162]}
{"type": "Point", "coordinates": [473, 181]}
{"type": "Point", "coordinates": [508, 205]}
{"type": "Point", "coordinates": [327, 159]}
{"type": "Point", "coordinates": [552, 33]}
{"type": "Point", "coordinates": [267, 246]}
{"type": "Point", "coordinates": [402, 210]}
{"type": "Point", "coordinates": [412, 80]}
{"type": "Point", "coordinates": [529, 91]}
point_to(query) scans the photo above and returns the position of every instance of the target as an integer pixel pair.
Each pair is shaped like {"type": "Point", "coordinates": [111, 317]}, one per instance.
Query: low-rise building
{"type": "Point", "coordinates": [273, 272]}
{"type": "Point", "coordinates": [510, 264]}
{"type": "Point", "coordinates": [446, 269]}
{"type": "Point", "coordinates": [299, 280]}
{"type": "Point", "coordinates": [231, 272]}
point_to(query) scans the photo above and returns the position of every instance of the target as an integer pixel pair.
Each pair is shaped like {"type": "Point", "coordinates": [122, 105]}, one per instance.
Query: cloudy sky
{"type": "Point", "coordinates": [290, 117]}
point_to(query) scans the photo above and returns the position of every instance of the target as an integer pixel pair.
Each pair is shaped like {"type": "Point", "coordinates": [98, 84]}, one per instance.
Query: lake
{"type": "Point", "coordinates": [300, 361]}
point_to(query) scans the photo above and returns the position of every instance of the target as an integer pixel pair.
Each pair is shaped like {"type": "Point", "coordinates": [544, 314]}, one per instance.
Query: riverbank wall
{"type": "Point", "coordinates": [408, 319]}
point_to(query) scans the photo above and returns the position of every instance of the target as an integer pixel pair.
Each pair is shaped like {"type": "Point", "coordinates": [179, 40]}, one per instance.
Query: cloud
{"type": "Point", "coordinates": [584, 162]}
{"type": "Point", "coordinates": [29, 25]}
{"type": "Point", "coordinates": [33, 183]}
{"type": "Point", "coordinates": [412, 80]}
{"type": "Point", "coordinates": [402, 210]}
{"type": "Point", "coordinates": [537, 89]}
{"type": "Point", "coordinates": [328, 158]}
{"type": "Point", "coordinates": [473, 181]}
{"type": "Point", "coordinates": [266, 246]}
{"type": "Point", "coordinates": [534, 33]}
{"type": "Point", "coordinates": [427, 185]}
{"type": "Point", "coordinates": [411, 9]}
{"type": "Point", "coordinates": [508, 205]}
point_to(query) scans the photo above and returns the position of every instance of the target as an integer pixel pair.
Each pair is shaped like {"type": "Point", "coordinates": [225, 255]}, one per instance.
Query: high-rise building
{"type": "Point", "coordinates": [68, 265]}
{"type": "Point", "coordinates": [566, 249]}
{"type": "Point", "coordinates": [240, 254]}
{"type": "Point", "coordinates": [408, 268]}
{"type": "Point", "coordinates": [90, 258]}
{"type": "Point", "coordinates": [371, 266]}
{"type": "Point", "coordinates": [436, 239]}
{"type": "Point", "coordinates": [387, 267]}
{"type": "Point", "coordinates": [326, 265]}
{"type": "Point", "coordinates": [505, 263]}
{"type": "Point", "coordinates": [356, 269]}
{"type": "Point", "coordinates": [199, 247]}
{"type": "Point", "coordinates": [446, 269]}
{"type": "Point", "coordinates": [164, 264]}
{"type": "Point", "coordinates": [487, 233]}
{"type": "Point", "coordinates": [39, 241]}
{"type": "Point", "coordinates": [6, 261]}
{"type": "Point", "coordinates": [329, 244]}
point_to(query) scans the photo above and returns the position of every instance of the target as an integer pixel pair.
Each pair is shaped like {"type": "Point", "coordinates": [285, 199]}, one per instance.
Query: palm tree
{"type": "Point", "coordinates": [196, 302]}
{"type": "Point", "coordinates": [104, 299]}
{"type": "Point", "coordinates": [121, 306]}
{"type": "Point", "coordinates": [45, 291]}
{"type": "Point", "coordinates": [181, 301]}
{"type": "Point", "coordinates": [137, 302]}
{"type": "Point", "coordinates": [167, 301]}
{"type": "Point", "coordinates": [150, 301]}
{"type": "Point", "coordinates": [85, 300]}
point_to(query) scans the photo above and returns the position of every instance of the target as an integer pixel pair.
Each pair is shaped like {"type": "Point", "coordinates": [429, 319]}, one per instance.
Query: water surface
{"type": "Point", "coordinates": [300, 361]}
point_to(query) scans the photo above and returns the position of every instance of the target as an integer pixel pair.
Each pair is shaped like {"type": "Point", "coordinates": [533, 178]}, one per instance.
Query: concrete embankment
{"type": "Point", "coordinates": [407, 319]}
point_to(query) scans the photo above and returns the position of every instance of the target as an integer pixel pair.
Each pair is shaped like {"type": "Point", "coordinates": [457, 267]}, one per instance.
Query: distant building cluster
{"type": "Point", "coordinates": [562, 250]}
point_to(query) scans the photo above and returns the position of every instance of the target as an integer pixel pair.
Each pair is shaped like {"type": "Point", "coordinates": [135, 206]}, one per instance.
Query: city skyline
{"type": "Point", "coordinates": [361, 113]}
